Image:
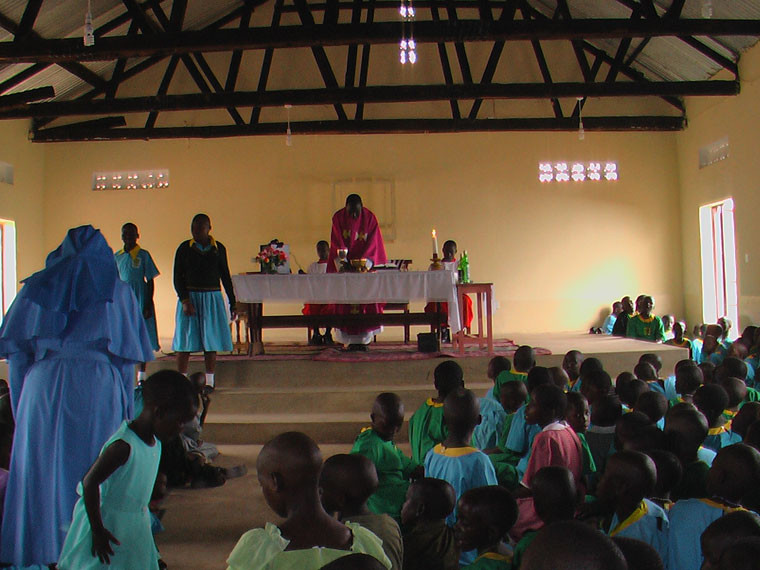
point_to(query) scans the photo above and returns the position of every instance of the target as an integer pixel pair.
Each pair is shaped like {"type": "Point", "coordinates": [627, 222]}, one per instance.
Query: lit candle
{"type": "Point", "coordinates": [435, 243]}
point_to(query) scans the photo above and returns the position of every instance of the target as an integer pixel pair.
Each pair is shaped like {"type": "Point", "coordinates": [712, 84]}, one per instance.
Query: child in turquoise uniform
{"type": "Point", "coordinates": [688, 381]}
{"type": "Point", "coordinates": [629, 479]}
{"type": "Point", "coordinates": [524, 360]}
{"type": "Point", "coordinates": [426, 427]}
{"type": "Point", "coordinates": [288, 469]}
{"type": "Point", "coordinates": [202, 324]}
{"type": "Point", "coordinates": [111, 525]}
{"type": "Point", "coordinates": [573, 545]}
{"type": "Point", "coordinates": [571, 364]}
{"type": "Point", "coordinates": [488, 431]}
{"type": "Point", "coordinates": [722, 534]}
{"type": "Point", "coordinates": [485, 516]}
{"type": "Point", "coordinates": [455, 460]}
{"type": "Point", "coordinates": [712, 400]}
{"type": "Point", "coordinates": [513, 396]}
{"type": "Point", "coordinates": [685, 430]}
{"type": "Point", "coordinates": [394, 469]}
{"type": "Point", "coordinates": [733, 475]}
{"type": "Point", "coordinates": [428, 541]}
{"type": "Point", "coordinates": [137, 269]}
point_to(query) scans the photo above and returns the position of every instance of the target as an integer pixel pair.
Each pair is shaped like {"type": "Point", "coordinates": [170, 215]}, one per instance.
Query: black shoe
{"type": "Point", "coordinates": [207, 389]}
{"type": "Point", "coordinates": [316, 339]}
{"type": "Point", "coordinates": [446, 335]}
{"type": "Point", "coordinates": [357, 348]}
{"type": "Point", "coordinates": [327, 339]}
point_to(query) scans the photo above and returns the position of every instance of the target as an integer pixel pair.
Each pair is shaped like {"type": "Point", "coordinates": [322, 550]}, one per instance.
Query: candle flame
{"type": "Point", "coordinates": [433, 233]}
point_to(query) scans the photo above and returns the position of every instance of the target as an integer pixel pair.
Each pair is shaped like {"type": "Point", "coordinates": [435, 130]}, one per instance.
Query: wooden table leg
{"type": "Point", "coordinates": [481, 331]}
{"type": "Point", "coordinates": [489, 319]}
{"type": "Point", "coordinates": [257, 343]}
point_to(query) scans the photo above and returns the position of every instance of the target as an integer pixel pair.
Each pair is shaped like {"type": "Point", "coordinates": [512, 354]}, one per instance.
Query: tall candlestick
{"type": "Point", "coordinates": [435, 242]}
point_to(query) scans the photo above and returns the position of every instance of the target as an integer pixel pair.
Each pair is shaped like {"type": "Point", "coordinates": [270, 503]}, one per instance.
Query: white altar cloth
{"type": "Point", "coordinates": [350, 288]}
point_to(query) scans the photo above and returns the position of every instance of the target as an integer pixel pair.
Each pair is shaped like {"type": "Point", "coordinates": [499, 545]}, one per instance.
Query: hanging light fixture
{"type": "Point", "coordinates": [288, 133]}
{"type": "Point", "coordinates": [581, 131]}
{"type": "Point", "coordinates": [89, 32]}
{"type": "Point", "coordinates": [407, 45]}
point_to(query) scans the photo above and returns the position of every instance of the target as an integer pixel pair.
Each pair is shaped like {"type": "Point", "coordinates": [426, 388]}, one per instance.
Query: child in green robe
{"type": "Point", "coordinates": [485, 515]}
{"type": "Point", "coordinates": [426, 428]}
{"type": "Point", "coordinates": [394, 469]}
{"type": "Point", "coordinates": [523, 361]}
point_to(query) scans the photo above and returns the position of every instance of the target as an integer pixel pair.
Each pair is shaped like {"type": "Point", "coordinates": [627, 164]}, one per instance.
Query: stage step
{"type": "Point", "coordinates": [303, 399]}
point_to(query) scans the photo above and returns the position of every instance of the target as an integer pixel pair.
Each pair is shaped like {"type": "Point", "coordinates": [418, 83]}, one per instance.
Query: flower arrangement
{"type": "Point", "coordinates": [270, 258]}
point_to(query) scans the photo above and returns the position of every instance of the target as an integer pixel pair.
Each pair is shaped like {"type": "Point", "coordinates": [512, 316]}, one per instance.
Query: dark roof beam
{"type": "Point", "coordinates": [27, 20]}
{"type": "Point", "coordinates": [644, 123]}
{"type": "Point", "coordinates": [364, 66]}
{"type": "Point", "coordinates": [446, 68]}
{"type": "Point", "coordinates": [27, 96]}
{"type": "Point", "coordinates": [266, 64]}
{"type": "Point", "coordinates": [317, 36]}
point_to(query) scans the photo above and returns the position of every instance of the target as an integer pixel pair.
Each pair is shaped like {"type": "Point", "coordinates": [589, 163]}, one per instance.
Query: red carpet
{"type": "Point", "coordinates": [378, 352]}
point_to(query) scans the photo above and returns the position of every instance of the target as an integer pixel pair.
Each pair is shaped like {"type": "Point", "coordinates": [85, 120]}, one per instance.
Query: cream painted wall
{"type": "Point", "coordinates": [22, 201]}
{"type": "Point", "coordinates": [558, 254]}
{"type": "Point", "coordinates": [710, 120]}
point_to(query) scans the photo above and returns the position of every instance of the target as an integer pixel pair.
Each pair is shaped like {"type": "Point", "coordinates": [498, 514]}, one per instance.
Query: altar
{"type": "Point", "coordinates": [389, 286]}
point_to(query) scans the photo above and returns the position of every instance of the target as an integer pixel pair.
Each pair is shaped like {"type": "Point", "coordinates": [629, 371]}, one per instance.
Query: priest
{"type": "Point", "coordinates": [355, 228]}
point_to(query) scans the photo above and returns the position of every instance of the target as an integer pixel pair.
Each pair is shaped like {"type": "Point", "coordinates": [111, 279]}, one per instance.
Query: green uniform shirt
{"type": "Point", "coordinates": [521, 547]}
{"type": "Point", "coordinates": [507, 376]}
{"type": "Point", "coordinates": [393, 472]}
{"type": "Point", "coordinates": [646, 329]}
{"type": "Point", "coordinates": [589, 466]}
{"type": "Point", "coordinates": [426, 429]}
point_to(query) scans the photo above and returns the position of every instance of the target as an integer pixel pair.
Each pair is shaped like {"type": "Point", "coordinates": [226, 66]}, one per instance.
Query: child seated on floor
{"type": "Point", "coordinates": [679, 340]}
{"type": "Point", "coordinates": [555, 499]}
{"type": "Point", "coordinates": [600, 435]}
{"type": "Point", "coordinates": [726, 531]}
{"type": "Point", "coordinates": [346, 483]}
{"type": "Point", "coordinates": [734, 473]}
{"type": "Point", "coordinates": [426, 427]}
{"type": "Point", "coordinates": [578, 417]}
{"type": "Point", "coordinates": [485, 516]}
{"type": "Point", "coordinates": [634, 431]}
{"type": "Point", "coordinates": [571, 364]}
{"type": "Point", "coordinates": [319, 266]}
{"type": "Point", "coordinates": [711, 400]}
{"type": "Point", "coordinates": [455, 460]}
{"type": "Point", "coordinates": [688, 381]}
{"type": "Point", "coordinates": [654, 405]}
{"type": "Point", "coordinates": [645, 372]}
{"type": "Point", "coordinates": [523, 362]}
{"type": "Point", "coordinates": [428, 541]}
{"type": "Point", "coordinates": [669, 473]}
{"type": "Point", "coordinates": [556, 444]}
{"type": "Point", "coordinates": [685, 430]}
{"type": "Point", "coordinates": [737, 394]}
{"type": "Point", "coordinates": [742, 555]}
{"type": "Point", "coordinates": [631, 392]}
{"type": "Point", "coordinates": [521, 434]}
{"type": "Point", "coordinates": [191, 435]}
{"type": "Point", "coordinates": [489, 430]}
{"type": "Point", "coordinates": [749, 414]}
{"type": "Point", "coordinates": [288, 469]}
{"type": "Point", "coordinates": [708, 371]}
{"type": "Point", "coordinates": [588, 366]}
{"type": "Point", "coordinates": [560, 378]}
{"type": "Point", "coordinates": [572, 545]}
{"type": "Point", "coordinates": [596, 384]}
{"type": "Point", "coordinates": [394, 469]}
{"type": "Point", "coordinates": [513, 397]}
{"type": "Point", "coordinates": [654, 359]}
{"type": "Point", "coordinates": [629, 479]}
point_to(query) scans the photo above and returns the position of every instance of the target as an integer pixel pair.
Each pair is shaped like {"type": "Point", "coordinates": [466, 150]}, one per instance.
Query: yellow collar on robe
{"type": "Point", "coordinates": [132, 252]}
{"type": "Point", "coordinates": [646, 320]}
{"type": "Point", "coordinates": [718, 430]}
{"type": "Point", "coordinates": [493, 556]}
{"type": "Point", "coordinates": [634, 517]}
{"type": "Point", "coordinates": [434, 404]}
{"type": "Point", "coordinates": [454, 451]}
{"type": "Point", "coordinates": [729, 413]}
{"type": "Point", "coordinates": [211, 241]}
{"type": "Point", "coordinates": [723, 506]}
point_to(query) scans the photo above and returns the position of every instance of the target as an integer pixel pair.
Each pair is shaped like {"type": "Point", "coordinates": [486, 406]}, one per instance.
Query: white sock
{"type": "Point", "coordinates": [210, 379]}
{"type": "Point", "coordinates": [142, 376]}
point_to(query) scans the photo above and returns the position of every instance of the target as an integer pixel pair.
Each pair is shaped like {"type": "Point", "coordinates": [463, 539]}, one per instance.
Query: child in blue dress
{"type": "Point", "coordinates": [485, 516]}
{"type": "Point", "coordinates": [202, 324]}
{"type": "Point", "coordinates": [111, 525]}
{"type": "Point", "coordinates": [137, 269]}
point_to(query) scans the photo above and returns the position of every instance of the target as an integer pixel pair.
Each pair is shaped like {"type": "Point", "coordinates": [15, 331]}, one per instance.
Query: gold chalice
{"type": "Point", "coordinates": [360, 265]}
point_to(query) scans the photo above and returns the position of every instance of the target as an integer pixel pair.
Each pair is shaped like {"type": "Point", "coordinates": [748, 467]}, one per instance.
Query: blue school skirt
{"type": "Point", "coordinates": [208, 330]}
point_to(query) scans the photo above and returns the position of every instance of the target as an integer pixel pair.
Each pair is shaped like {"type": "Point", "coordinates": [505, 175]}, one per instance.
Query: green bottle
{"type": "Point", "coordinates": [464, 268]}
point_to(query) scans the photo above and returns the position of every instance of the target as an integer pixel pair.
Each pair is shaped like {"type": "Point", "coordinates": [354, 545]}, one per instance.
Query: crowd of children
{"type": "Point", "coordinates": [645, 472]}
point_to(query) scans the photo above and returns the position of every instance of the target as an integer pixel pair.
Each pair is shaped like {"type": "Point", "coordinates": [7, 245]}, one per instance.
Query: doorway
{"type": "Point", "coordinates": [720, 295]}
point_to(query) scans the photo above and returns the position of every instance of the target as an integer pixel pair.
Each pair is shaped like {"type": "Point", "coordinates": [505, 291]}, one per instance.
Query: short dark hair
{"type": "Point", "coordinates": [437, 495]}
{"type": "Point", "coordinates": [711, 400]}
{"type": "Point", "coordinates": [653, 359]}
{"type": "Point", "coordinates": [606, 411]}
{"type": "Point", "coordinates": [353, 199]}
{"type": "Point", "coordinates": [638, 554]}
{"type": "Point", "coordinates": [201, 218]}
{"type": "Point", "coordinates": [569, 545]}
{"type": "Point", "coordinates": [524, 358]}
{"type": "Point", "coordinates": [688, 379]}
{"type": "Point", "coordinates": [599, 379]}
{"type": "Point", "coordinates": [645, 371]}
{"type": "Point", "coordinates": [551, 397]}
{"type": "Point", "coordinates": [590, 363]}
{"type": "Point", "coordinates": [669, 471]}
{"type": "Point", "coordinates": [731, 366]}
{"type": "Point", "coordinates": [538, 376]}
{"type": "Point", "coordinates": [652, 404]}
{"type": "Point", "coordinates": [631, 392]}
{"type": "Point", "coordinates": [495, 504]}
{"type": "Point", "coordinates": [448, 376]}
{"type": "Point", "coordinates": [170, 390]}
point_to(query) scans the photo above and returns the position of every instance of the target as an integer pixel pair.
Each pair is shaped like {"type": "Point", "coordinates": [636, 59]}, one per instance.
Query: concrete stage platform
{"type": "Point", "coordinates": [330, 401]}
